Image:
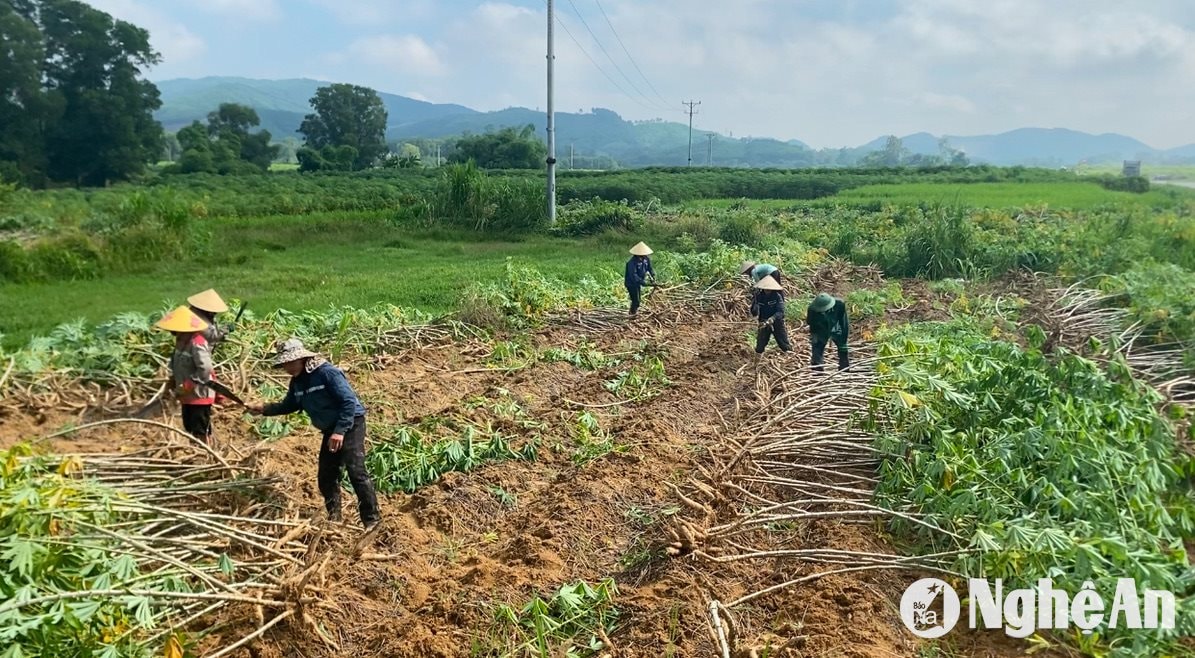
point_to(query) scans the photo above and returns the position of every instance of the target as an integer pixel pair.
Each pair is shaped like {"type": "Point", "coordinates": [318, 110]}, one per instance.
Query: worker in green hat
{"type": "Point", "coordinates": [827, 321]}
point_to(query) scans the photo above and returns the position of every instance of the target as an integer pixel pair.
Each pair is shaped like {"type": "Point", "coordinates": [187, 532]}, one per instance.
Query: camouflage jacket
{"type": "Point", "coordinates": [191, 369]}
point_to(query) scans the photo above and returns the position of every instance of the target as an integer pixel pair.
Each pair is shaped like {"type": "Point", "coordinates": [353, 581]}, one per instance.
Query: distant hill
{"type": "Point", "coordinates": [282, 104]}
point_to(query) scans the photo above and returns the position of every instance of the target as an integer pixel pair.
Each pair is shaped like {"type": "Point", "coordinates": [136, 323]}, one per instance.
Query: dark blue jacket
{"type": "Point", "coordinates": [325, 394]}
{"type": "Point", "coordinates": [768, 303]}
{"type": "Point", "coordinates": [637, 271]}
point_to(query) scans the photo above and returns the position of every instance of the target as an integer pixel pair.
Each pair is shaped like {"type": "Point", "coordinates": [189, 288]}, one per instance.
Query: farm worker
{"type": "Point", "coordinates": [758, 271]}
{"type": "Point", "coordinates": [827, 321]}
{"type": "Point", "coordinates": [755, 272]}
{"type": "Point", "coordinates": [191, 370]}
{"type": "Point", "coordinates": [323, 392]}
{"type": "Point", "coordinates": [768, 307]}
{"type": "Point", "coordinates": [207, 305]}
{"type": "Point", "coordinates": [637, 272]}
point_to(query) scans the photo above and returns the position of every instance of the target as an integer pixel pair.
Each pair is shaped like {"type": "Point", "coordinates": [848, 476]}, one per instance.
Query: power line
{"type": "Point", "coordinates": [598, 66]}
{"type": "Point", "coordinates": [624, 49]}
{"type": "Point", "coordinates": [607, 53]}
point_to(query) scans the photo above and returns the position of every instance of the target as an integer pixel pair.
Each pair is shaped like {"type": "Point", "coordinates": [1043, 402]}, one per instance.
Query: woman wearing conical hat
{"type": "Point", "coordinates": [755, 272]}
{"type": "Point", "coordinates": [769, 309]}
{"type": "Point", "coordinates": [638, 271]}
{"type": "Point", "coordinates": [207, 305]}
{"type": "Point", "coordinates": [758, 271]}
{"type": "Point", "coordinates": [191, 370]}
{"type": "Point", "coordinates": [827, 321]}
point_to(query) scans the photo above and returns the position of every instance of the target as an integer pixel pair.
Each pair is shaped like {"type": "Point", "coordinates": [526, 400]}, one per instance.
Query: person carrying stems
{"type": "Point", "coordinates": [323, 392]}
{"type": "Point", "coordinates": [208, 305]}
{"type": "Point", "coordinates": [827, 320]}
{"type": "Point", "coordinates": [638, 271]}
{"type": "Point", "coordinates": [768, 308]}
{"type": "Point", "coordinates": [191, 370]}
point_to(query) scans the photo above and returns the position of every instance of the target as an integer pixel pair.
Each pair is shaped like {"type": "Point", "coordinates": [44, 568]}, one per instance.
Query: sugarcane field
{"type": "Point", "coordinates": [303, 368]}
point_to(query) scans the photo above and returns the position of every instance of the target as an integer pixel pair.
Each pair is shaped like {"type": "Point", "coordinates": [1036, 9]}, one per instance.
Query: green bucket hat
{"type": "Point", "coordinates": [822, 303]}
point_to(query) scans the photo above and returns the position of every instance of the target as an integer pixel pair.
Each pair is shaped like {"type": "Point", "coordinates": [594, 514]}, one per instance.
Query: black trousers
{"type": "Point", "coordinates": [351, 456]}
{"type": "Point", "coordinates": [819, 350]}
{"type": "Point", "coordinates": [635, 293]}
{"type": "Point", "coordinates": [197, 420]}
{"type": "Point", "coordinates": [766, 332]}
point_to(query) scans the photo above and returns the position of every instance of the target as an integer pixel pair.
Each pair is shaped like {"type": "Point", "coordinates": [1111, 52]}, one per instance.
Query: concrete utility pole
{"type": "Point", "coordinates": [691, 112]}
{"type": "Point", "coordinates": [709, 157]}
{"type": "Point", "coordinates": [570, 156]}
{"type": "Point", "coordinates": [551, 121]}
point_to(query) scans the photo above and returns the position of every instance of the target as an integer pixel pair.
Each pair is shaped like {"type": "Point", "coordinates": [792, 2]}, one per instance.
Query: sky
{"type": "Point", "coordinates": [830, 73]}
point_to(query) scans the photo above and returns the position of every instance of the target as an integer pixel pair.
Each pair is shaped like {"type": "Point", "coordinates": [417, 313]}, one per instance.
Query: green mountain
{"type": "Point", "coordinates": [282, 104]}
{"type": "Point", "coordinates": [1040, 147]}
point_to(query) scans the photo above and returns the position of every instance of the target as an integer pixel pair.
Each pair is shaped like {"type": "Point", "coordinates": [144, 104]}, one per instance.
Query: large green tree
{"type": "Point", "coordinates": [225, 145]}
{"type": "Point", "coordinates": [73, 105]}
{"type": "Point", "coordinates": [347, 115]}
{"type": "Point", "coordinates": [504, 149]}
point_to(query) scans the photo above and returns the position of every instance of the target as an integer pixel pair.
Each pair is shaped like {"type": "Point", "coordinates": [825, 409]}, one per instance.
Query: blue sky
{"type": "Point", "coordinates": [827, 72]}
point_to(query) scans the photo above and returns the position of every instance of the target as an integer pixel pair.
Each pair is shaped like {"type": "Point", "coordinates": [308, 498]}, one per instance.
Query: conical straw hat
{"type": "Point", "coordinates": [768, 283]}
{"type": "Point", "coordinates": [641, 250]}
{"type": "Point", "coordinates": [208, 301]}
{"type": "Point", "coordinates": [746, 266]}
{"type": "Point", "coordinates": [182, 320]}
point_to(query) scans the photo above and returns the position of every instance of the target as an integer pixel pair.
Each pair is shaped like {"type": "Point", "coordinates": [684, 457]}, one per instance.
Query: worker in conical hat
{"type": "Point", "coordinates": [191, 370]}
{"type": "Point", "coordinates": [638, 271]}
{"type": "Point", "coordinates": [768, 308]}
{"type": "Point", "coordinates": [322, 391]}
{"type": "Point", "coordinates": [827, 320]}
{"type": "Point", "coordinates": [208, 305]}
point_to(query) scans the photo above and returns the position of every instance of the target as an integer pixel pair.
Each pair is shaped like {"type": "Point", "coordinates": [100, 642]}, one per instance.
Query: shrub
{"type": "Point", "coordinates": [15, 264]}
{"type": "Point", "coordinates": [741, 228]}
{"type": "Point", "coordinates": [1135, 184]}
{"type": "Point", "coordinates": [578, 218]}
{"type": "Point", "coordinates": [940, 245]}
{"type": "Point", "coordinates": [69, 256]}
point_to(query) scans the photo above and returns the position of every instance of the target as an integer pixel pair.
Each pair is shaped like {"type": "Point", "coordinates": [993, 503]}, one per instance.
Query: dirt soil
{"type": "Point", "coordinates": [451, 551]}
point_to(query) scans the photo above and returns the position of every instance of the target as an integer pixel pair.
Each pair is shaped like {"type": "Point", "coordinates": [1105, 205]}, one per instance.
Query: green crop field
{"type": "Point", "coordinates": [1076, 195]}
{"type": "Point", "coordinates": [307, 262]}
{"type": "Point", "coordinates": [1071, 194]}
{"type": "Point", "coordinates": [990, 426]}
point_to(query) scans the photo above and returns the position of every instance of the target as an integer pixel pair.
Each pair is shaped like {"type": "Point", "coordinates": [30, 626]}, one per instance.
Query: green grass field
{"type": "Point", "coordinates": [1004, 195]}
{"type": "Point", "coordinates": [1077, 195]}
{"type": "Point", "coordinates": [309, 262]}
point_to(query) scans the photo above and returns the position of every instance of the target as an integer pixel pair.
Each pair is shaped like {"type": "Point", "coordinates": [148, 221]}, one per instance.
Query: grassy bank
{"type": "Point", "coordinates": [307, 262]}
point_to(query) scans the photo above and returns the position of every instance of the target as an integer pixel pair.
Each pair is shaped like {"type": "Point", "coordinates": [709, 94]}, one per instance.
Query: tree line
{"type": "Point", "coordinates": [76, 109]}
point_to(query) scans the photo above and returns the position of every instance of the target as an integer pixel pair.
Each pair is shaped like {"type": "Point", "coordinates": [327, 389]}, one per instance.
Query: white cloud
{"type": "Point", "coordinates": [376, 12]}
{"type": "Point", "coordinates": [250, 9]}
{"type": "Point", "coordinates": [177, 44]}
{"type": "Point", "coordinates": [406, 54]}
{"type": "Point", "coordinates": [950, 102]}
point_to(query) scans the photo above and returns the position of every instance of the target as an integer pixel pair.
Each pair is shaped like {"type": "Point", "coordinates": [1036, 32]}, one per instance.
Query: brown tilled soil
{"type": "Point", "coordinates": [451, 551]}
